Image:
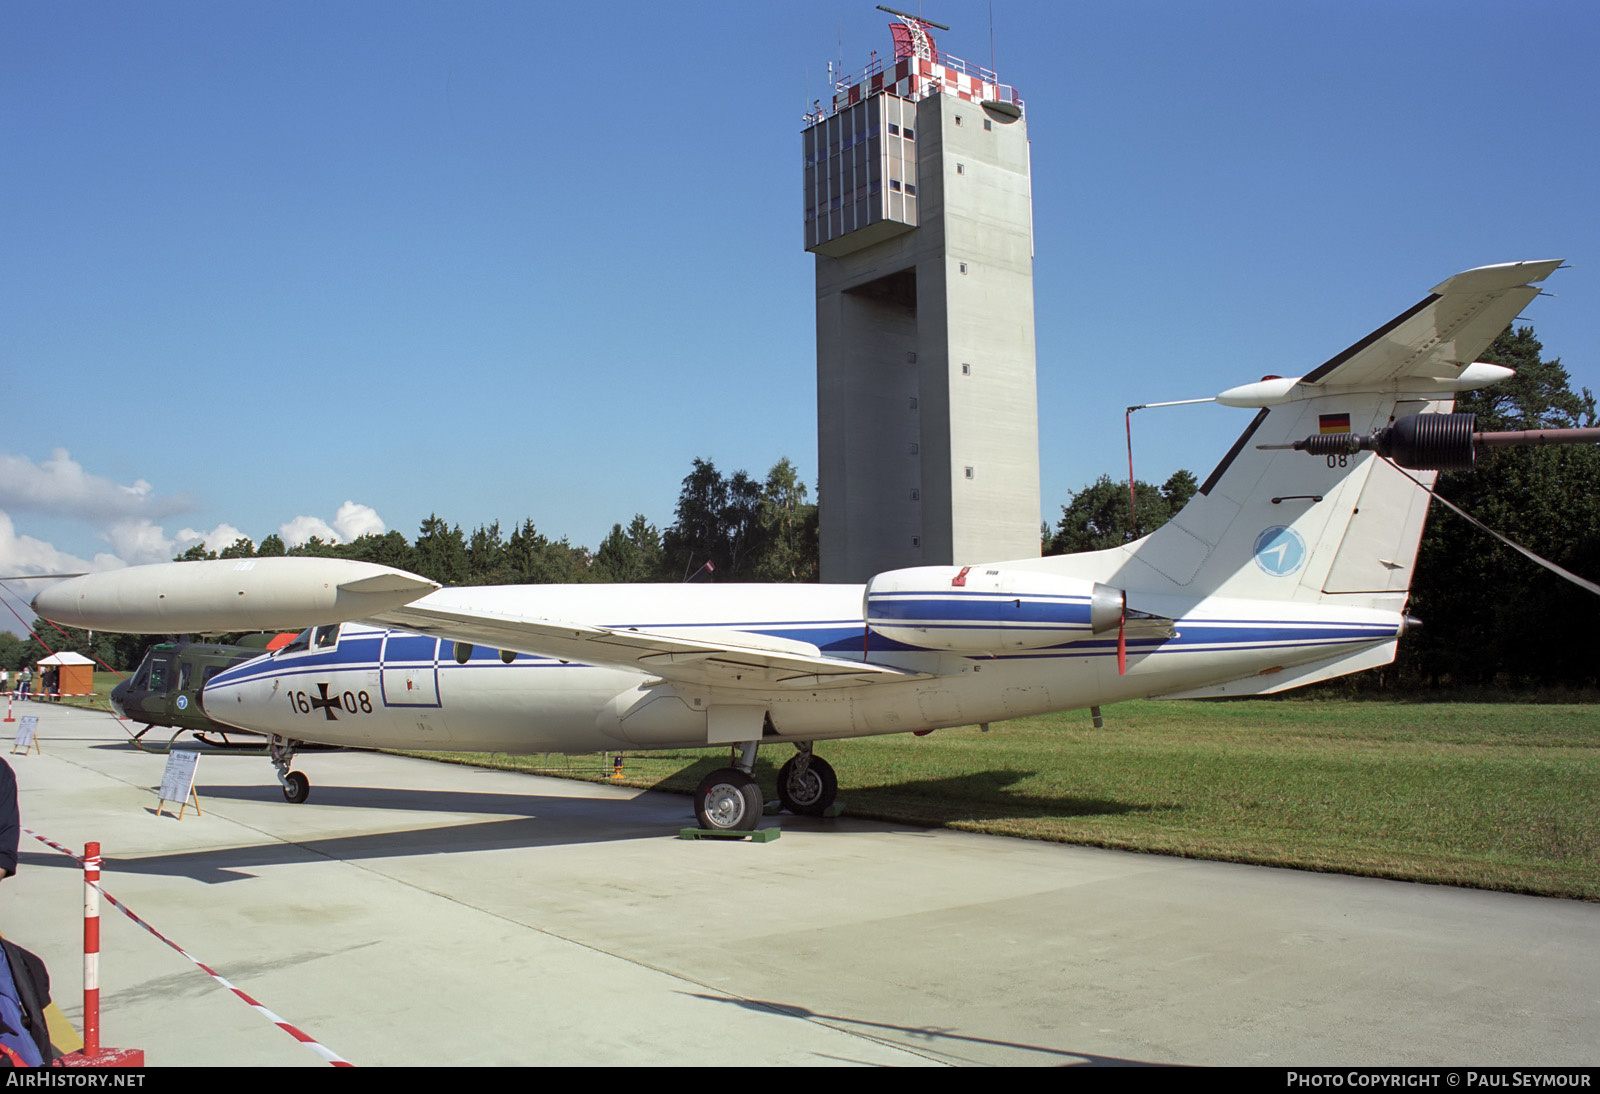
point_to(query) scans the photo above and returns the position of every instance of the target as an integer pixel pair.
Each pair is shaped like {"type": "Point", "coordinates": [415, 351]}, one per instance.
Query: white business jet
{"type": "Point", "coordinates": [1288, 567]}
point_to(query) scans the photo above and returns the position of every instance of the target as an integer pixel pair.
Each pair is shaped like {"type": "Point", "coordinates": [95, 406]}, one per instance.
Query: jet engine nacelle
{"type": "Point", "coordinates": [982, 609]}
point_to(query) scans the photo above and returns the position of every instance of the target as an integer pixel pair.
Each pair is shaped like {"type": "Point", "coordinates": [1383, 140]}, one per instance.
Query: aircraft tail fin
{"type": "Point", "coordinates": [1275, 523]}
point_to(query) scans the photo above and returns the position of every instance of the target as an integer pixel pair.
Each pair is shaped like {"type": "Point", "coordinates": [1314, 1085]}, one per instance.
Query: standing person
{"type": "Point", "coordinates": [24, 981]}
{"type": "Point", "coordinates": [24, 678]}
{"type": "Point", "coordinates": [10, 821]}
{"type": "Point", "coordinates": [5, 681]}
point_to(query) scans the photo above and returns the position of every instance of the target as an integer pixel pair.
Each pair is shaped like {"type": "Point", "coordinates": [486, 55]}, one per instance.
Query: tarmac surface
{"type": "Point", "coordinates": [420, 913]}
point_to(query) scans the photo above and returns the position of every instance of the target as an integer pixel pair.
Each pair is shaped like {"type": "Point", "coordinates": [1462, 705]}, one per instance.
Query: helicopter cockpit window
{"type": "Point", "coordinates": [159, 666]}
{"type": "Point", "coordinates": [325, 638]}
{"type": "Point", "coordinates": [183, 675]}
{"type": "Point", "coordinates": [301, 643]}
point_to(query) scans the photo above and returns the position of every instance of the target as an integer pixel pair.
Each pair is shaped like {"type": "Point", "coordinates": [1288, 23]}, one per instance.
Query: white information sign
{"type": "Point", "coordinates": [27, 734]}
{"type": "Point", "coordinates": [177, 781]}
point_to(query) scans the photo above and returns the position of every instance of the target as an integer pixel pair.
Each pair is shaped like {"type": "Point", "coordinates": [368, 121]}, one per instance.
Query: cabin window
{"type": "Point", "coordinates": [159, 668]}
{"type": "Point", "coordinates": [325, 638]}
{"type": "Point", "coordinates": [301, 643]}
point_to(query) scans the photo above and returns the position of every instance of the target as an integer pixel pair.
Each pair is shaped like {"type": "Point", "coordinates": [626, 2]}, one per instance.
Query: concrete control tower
{"type": "Point", "coordinates": [918, 206]}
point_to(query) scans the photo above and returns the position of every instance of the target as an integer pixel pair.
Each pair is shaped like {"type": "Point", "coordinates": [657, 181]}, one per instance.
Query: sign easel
{"type": "Point", "coordinates": [27, 735]}
{"type": "Point", "coordinates": [177, 783]}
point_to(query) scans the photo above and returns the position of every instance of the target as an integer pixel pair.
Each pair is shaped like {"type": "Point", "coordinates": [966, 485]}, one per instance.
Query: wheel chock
{"type": "Point", "coordinates": [759, 835]}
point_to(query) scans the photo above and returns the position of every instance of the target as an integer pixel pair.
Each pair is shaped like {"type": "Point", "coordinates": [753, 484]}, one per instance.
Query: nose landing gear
{"type": "Point", "coordinates": [296, 787]}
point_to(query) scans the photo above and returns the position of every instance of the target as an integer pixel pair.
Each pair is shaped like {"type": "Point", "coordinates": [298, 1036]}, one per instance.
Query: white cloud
{"type": "Point", "coordinates": [127, 517]}
{"type": "Point", "coordinates": [60, 486]}
{"type": "Point", "coordinates": [301, 529]}
{"type": "Point", "coordinates": [26, 555]}
{"type": "Point", "coordinates": [354, 520]}
{"type": "Point", "coordinates": [218, 539]}
{"type": "Point", "coordinates": [138, 541]}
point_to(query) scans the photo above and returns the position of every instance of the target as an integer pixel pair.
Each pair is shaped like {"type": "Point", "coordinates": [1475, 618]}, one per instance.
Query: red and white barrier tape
{"type": "Point", "coordinates": [46, 696]}
{"type": "Point", "coordinates": [305, 1039]}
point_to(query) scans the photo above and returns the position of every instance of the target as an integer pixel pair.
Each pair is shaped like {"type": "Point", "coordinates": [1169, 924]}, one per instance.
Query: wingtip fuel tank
{"type": "Point", "coordinates": [229, 595]}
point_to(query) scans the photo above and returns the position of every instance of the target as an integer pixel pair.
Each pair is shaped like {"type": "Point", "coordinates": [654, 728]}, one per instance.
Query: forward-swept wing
{"type": "Point", "coordinates": [740, 660]}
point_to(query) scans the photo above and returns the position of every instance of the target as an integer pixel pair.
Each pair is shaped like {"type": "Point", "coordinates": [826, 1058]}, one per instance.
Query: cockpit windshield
{"type": "Point", "coordinates": [318, 638]}
{"type": "Point", "coordinates": [154, 671]}
{"type": "Point", "coordinates": [301, 643]}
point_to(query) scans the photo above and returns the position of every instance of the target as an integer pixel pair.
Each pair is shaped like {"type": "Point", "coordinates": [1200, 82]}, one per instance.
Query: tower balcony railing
{"type": "Point", "coordinates": [1003, 92]}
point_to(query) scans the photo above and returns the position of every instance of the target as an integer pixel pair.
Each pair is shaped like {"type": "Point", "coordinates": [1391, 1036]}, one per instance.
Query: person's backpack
{"type": "Point", "coordinates": [24, 994]}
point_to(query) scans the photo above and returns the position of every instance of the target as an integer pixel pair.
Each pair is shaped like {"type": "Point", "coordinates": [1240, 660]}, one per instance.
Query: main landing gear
{"type": "Point", "coordinates": [296, 787]}
{"type": "Point", "coordinates": [729, 799]}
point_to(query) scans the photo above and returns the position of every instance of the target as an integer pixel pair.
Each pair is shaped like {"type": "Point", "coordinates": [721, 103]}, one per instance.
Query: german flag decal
{"type": "Point", "coordinates": [1333, 423]}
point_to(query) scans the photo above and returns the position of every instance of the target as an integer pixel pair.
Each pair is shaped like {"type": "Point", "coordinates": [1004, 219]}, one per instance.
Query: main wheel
{"type": "Point", "coordinates": [298, 788]}
{"type": "Point", "coordinates": [728, 800]}
{"type": "Point", "coordinates": [809, 794]}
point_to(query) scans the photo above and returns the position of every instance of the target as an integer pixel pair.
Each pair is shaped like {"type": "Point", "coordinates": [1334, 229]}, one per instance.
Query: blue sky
{"type": "Point", "coordinates": [351, 263]}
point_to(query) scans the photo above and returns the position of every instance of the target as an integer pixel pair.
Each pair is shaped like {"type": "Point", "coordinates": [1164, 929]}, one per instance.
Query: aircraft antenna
{"type": "Point", "coordinates": [1127, 425]}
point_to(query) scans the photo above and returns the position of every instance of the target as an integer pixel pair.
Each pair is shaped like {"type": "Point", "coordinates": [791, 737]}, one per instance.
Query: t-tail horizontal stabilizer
{"type": "Point", "coordinates": [1343, 526]}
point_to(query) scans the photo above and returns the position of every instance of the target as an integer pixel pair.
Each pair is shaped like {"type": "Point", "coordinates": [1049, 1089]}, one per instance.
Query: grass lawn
{"type": "Point", "coordinates": [1498, 796]}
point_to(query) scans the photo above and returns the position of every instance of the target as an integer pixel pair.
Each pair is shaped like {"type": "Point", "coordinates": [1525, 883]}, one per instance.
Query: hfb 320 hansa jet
{"type": "Point", "coordinates": [1291, 565]}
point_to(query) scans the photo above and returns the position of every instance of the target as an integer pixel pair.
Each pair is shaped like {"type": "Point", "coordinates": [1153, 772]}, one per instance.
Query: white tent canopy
{"type": "Point", "coordinates": [65, 659]}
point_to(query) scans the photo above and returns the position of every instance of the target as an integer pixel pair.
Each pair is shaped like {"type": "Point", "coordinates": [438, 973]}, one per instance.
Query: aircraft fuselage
{"type": "Point", "coordinates": [367, 686]}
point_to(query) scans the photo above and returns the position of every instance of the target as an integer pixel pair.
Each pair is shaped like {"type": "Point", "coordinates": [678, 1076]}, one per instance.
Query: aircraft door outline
{"type": "Point", "coordinates": [409, 670]}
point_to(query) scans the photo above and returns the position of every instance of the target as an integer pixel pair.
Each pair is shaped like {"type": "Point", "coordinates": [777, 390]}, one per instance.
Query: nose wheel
{"type": "Point", "coordinates": [296, 787]}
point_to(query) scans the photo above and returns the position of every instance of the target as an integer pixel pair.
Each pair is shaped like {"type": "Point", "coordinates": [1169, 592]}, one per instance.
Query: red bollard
{"type": "Point", "coordinates": [91, 949]}
{"type": "Point", "coordinates": [92, 1055]}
